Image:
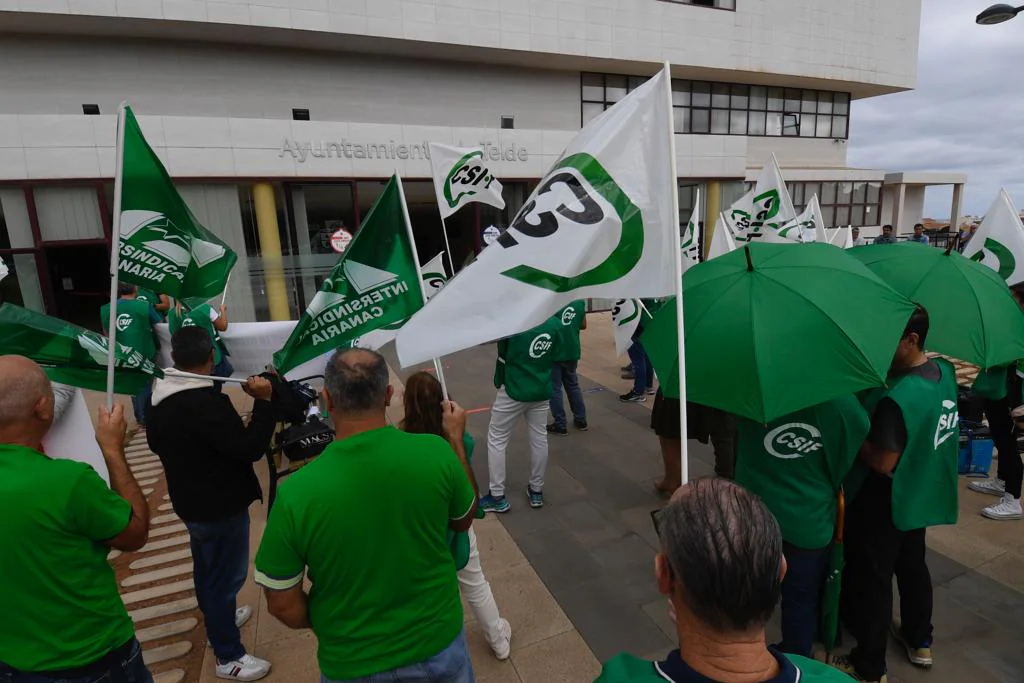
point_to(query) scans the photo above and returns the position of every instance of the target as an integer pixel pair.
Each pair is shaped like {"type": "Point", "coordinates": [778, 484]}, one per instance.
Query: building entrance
{"type": "Point", "coordinates": [80, 281]}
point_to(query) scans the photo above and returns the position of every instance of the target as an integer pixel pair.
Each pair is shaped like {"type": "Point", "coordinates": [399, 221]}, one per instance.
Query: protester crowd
{"type": "Point", "coordinates": [386, 571]}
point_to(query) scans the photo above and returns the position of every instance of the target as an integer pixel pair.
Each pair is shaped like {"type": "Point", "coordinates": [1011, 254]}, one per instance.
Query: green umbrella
{"type": "Point", "coordinates": [834, 581]}
{"type": "Point", "coordinates": [70, 354]}
{"type": "Point", "coordinates": [774, 328]}
{"type": "Point", "coordinates": [972, 314]}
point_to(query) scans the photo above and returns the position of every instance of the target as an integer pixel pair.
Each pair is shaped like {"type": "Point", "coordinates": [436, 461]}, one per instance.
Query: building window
{"type": "Point", "coordinates": [707, 108]}
{"type": "Point", "coordinates": [716, 4]}
{"type": "Point", "coordinates": [856, 203]}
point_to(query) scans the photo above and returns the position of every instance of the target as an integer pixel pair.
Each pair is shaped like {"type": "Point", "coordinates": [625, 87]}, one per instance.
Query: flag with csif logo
{"type": "Point", "coordinates": [625, 320]}
{"type": "Point", "coordinates": [808, 226]}
{"type": "Point", "coordinates": [999, 241]}
{"type": "Point", "coordinates": [374, 284]}
{"type": "Point", "coordinates": [602, 223]}
{"type": "Point", "coordinates": [691, 235]}
{"type": "Point", "coordinates": [760, 213]}
{"type": "Point", "coordinates": [163, 247]}
{"type": "Point", "coordinates": [461, 176]}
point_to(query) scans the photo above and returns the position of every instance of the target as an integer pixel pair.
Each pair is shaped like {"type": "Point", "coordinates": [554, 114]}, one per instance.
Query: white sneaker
{"type": "Point", "coordinates": [1008, 508]}
{"type": "Point", "coordinates": [242, 615]}
{"type": "Point", "coordinates": [503, 648]}
{"type": "Point", "coordinates": [246, 668]}
{"type": "Point", "coordinates": [993, 487]}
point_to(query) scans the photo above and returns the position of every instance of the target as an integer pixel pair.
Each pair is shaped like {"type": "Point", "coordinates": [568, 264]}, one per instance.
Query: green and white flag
{"type": "Point", "coordinates": [722, 241]}
{"type": "Point", "coordinates": [808, 226]}
{"type": "Point", "coordinates": [691, 236]}
{"type": "Point", "coordinates": [462, 175]}
{"type": "Point", "coordinates": [163, 247]}
{"type": "Point", "coordinates": [760, 213]}
{"type": "Point", "coordinates": [625, 319]}
{"type": "Point", "coordinates": [999, 241]}
{"type": "Point", "coordinates": [602, 223]}
{"type": "Point", "coordinates": [374, 284]}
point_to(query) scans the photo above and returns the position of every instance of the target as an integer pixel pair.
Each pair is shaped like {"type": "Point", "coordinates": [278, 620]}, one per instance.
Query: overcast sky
{"type": "Point", "coordinates": [967, 113]}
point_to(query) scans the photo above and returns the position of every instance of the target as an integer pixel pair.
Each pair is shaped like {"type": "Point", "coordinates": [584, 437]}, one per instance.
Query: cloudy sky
{"type": "Point", "coordinates": [967, 113]}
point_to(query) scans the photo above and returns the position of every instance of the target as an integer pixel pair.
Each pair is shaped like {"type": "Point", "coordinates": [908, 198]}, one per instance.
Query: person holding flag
{"type": "Point", "coordinates": [213, 322]}
{"type": "Point", "coordinates": [161, 303]}
{"type": "Point", "coordinates": [563, 374]}
{"type": "Point", "coordinates": [134, 321]}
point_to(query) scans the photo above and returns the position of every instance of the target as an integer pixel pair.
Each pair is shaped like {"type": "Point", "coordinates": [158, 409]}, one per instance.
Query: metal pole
{"type": "Point", "coordinates": [115, 248]}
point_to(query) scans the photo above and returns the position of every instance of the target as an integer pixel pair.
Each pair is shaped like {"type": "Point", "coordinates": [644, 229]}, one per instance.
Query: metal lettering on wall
{"type": "Point", "coordinates": [326, 149]}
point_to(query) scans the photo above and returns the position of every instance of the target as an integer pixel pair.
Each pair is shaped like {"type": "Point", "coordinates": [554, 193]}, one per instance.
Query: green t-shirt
{"type": "Point", "coordinates": [384, 591]}
{"type": "Point", "coordinates": [200, 316]}
{"type": "Point", "coordinates": [797, 463]}
{"type": "Point", "coordinates": [135, 320]}
{"type": "Point", "coordinates": [61, 605]}
{"type": "Point", "coordinates": [626, 668]}
{"type": "Point", "coordinates": [525, 361]}
{"type": "Point", "coordinates": [150, 297]}
{"type": "Point", "coordinates": [571, 319]}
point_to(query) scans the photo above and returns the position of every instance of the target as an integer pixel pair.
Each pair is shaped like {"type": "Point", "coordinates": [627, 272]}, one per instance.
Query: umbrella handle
{"type": "Point", "coordinates": [840, 514]}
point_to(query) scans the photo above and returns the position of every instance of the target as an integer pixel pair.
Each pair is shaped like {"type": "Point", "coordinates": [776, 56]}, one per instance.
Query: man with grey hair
{"type": "Point", "coordinates": [369, 519]}
{"type": "Point", "coordinates": [63, 617]}
{"type": "Point", "coordinates": [721, 566]}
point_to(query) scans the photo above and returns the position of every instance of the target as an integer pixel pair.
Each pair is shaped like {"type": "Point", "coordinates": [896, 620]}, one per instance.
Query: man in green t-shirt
{"type": "Point", "coordinates": [797, 464]}
{"type": "Point", "coordinates": [63, 618]}
{"type": "Point", "coordinates": [563, 374]}
{"type": "Point", "coordinates": [721, 566]}
{"type": "Point", "coordinates": [905, 481]}
{"type": "Point", "coordinates": [384, 596]}
{"type": "Point", "coordinates": [135, 320]}
{"type": "Point", "coordinates": [522, 376]}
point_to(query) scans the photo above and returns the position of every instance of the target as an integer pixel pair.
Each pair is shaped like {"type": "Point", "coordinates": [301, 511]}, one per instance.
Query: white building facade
{"type": "Point", "coordinates": [279, 119]}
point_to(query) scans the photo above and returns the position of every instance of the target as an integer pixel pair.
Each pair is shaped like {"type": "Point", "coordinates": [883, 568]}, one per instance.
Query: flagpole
{"type": "Point", "coordinates": [115, 248]}
{"type": "Point", "coordinates": [438, 368]}
{"type": "Point", "coordinates": [684, 437]}
{"type": "Point", "coordinates": [173, 373]}
{"type": "Point", "coordinates": [227, 281]}
{"type": "Point", "coordinates": [447, 247]}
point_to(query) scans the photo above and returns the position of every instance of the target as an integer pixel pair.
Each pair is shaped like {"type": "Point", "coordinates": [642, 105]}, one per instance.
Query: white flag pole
{"type": "Point", "coordinates": [227, 281]}
{"type": "Point", "coordinates": [438, 368]}
{"type": "Point", "coordinates": [674, 173]}
{"type": "Point", "coordinates": [447, 248]}
{"type": "Point", "coordinates": [115, 248]}
{"type": "Point", "coordinates": [173, 373]}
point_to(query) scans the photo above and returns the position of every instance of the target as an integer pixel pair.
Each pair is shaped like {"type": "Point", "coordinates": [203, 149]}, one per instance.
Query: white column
{"type": "Point", "coordinates": [897, 208]}
{"type": "Point", "coordinates": [958, 208]}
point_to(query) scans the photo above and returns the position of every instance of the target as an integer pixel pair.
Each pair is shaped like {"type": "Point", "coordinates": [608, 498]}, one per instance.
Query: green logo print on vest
{"type": "Point", "coordinates": [595, 201]}
{"type": "Point", "coordinates": [540, 345]}
{"type": "Point", "coordinates": [465, 180]}
{"type": "Point", "coordinates": [152, 247]}
{"type": "Point", "coordinates": [949, 423]}
{"type": "Point", "coordinates": [1007, 263]}
{"type": "Point", "coordinates": [793, 440]}
{"type": "Point", "coordinates": [568, 315]}
{"type": "Point", "coordinates": [124, 321]}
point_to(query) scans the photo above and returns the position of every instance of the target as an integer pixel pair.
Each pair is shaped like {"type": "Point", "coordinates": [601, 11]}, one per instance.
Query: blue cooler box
{"type": "Point", "coordinates": [975, 450]}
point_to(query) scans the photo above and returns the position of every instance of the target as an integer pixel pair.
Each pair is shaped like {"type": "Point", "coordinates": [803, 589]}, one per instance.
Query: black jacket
{"type": "Point", "coordinates": [206, 449]}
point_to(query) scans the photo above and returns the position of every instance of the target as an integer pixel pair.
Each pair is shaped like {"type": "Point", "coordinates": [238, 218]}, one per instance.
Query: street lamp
{"type": "Point", "coordinates": [997, 14]}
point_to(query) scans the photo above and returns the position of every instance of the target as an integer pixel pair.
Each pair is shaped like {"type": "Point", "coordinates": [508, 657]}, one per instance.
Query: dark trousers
{"type": "Point", "coordinates": [875, 551]}
{"type": "Point", "coordinates": [220, 557]}
{"type": "Point", "coordinates": [126, 667]}
{"type": "Point", "coordinates": [222, 369]}
{"type": "Point", "coordinates": [1010, 468]}
{"type": "Point", "coordinates": [139, 402]}
{"type": "Point", "coordinates": [563, 374]}
{"type": "Point", "coordinates": [801, 597]}
{"type": "Point", "coordinates": [643, 371]}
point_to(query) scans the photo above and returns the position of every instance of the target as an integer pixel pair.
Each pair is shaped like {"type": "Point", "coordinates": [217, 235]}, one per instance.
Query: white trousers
{"type": "Point", "coordinates": [474, 586]}
{"type": "Point", "coordinates": [504, 414]}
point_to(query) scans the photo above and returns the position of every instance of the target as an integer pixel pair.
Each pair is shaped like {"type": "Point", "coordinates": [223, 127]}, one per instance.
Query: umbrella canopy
{"type": "Point", "coordinates": [772, 329]}
{"type": "Point", "coordinates": [973, 317]}
{"type": "Point", "coordinates": [70, 354]}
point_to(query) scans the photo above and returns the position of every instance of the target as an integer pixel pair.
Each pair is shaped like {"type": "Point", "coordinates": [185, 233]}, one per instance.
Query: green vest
{"type": "Point", "coordinates": [625, 668]}
{"type": "Point", "coordinates": [571, 318]}
{"type": "Point", "coordinates": [150, 297]}
{"type": "Point", "coordinates": [992, 383]}
{"type": "Point", "coordinates": [197, 317]}
{"type": "Point", "coordinates": [925, 486]}
{"type": "Point", "coordinates": [525, 361]}
{"type": "Point", "coordinates": [134, 326]}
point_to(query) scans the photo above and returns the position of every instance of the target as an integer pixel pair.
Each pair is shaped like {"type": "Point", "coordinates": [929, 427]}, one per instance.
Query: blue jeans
{"type": "Point", "coordinates": [801, 597]}
{"type": "Point", "coordinates": [643, 371]}
{"type": "Point", "coordinates": [563, 373]}
{"type": "Point", "coordinates": [132, 670]}
{"type": "Point", "coordinates": [222, 369]}
{"type": "Point", "coordinates": [450, 665]}
{"type": "Point", "coordinates": [139, 402]}
{"type": "Point", "coordinates": [220, 558]}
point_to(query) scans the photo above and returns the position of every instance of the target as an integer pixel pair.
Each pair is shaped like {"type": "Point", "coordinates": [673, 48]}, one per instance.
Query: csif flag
{"type": "Point", "coordinates": [808, 226]}
{"type": "Point", "coordinates": [691, 235]}
{"type": "Point", "coordinates": [375, 283]}
{"type": "Point", "coordinates": [602, 223]}
{"type": "Point", "coordinates": [722, 241]}
{"type": "Point", "coordinates": [999, 241]}
{"type": "Point", "coordinates": [625, 319]}
{"type": "Point", "coordinates": [163, 247]}
{"type": "Point", "coordinates": [462, 176]}
{"type": "Point", "coordinates": [764, 210]}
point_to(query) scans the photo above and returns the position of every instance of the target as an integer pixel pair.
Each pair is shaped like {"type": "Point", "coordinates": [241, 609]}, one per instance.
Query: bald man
{"type": "Point", "coordinates": [63, 618]}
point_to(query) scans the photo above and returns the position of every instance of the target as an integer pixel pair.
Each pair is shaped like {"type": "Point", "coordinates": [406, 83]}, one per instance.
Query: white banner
{"type": "Point", "coordinates": [72, 435]}
{"type": "Point", "coordinates": [461, 176]}
{"type": "Point", "coordinates": [999, 241]}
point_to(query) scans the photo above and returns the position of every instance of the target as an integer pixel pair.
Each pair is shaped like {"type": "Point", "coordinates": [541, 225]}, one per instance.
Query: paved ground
{"type": "Point", "coordinates": [575, 578]}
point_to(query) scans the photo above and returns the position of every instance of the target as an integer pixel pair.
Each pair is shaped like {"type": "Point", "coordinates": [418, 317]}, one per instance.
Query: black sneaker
{"type": "Point", "coordinates": [633, 397]}
{"type": "Point", "coordinates": [581, 425]}
{"type": "Point", "coordinates": [555, 429]}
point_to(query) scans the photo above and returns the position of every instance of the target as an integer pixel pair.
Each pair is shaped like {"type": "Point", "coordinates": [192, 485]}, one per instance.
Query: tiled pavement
{"type": "Point", "coordinates": [575, 578]}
